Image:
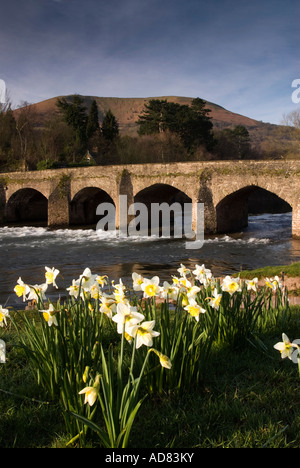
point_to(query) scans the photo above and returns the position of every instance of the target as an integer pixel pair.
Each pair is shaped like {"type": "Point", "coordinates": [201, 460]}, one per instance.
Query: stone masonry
{"type": "Point", "coordinates": [223, 188]}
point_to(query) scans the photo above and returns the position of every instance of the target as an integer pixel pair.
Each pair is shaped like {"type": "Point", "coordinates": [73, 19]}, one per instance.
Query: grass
{"type": "Point", "coordinates": [249, 398]}
{"type": "Point", "coordinates": [292, 270]}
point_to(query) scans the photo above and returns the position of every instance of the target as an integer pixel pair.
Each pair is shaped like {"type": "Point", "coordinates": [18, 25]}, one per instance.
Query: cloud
{"type": "Point", "coordinates": [238, 54]}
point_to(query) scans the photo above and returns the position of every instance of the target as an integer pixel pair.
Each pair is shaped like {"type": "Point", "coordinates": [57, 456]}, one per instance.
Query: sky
{"type": "Point", "coordinates": [242, 55]}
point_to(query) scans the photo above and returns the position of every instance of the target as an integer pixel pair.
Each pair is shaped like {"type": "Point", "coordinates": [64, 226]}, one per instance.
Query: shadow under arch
{"type": "Point", "coordinates": [84, 205]}
{"type": "Point", "coordinates": [27, 206]}
{"type": "Point", "coordinates": [233, 210]}
{"type": "Point", "coordinates": [162, 195]}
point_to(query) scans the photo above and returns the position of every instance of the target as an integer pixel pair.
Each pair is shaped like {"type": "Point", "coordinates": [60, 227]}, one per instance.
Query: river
{"type": "Point", "coordinates": [25, 251]}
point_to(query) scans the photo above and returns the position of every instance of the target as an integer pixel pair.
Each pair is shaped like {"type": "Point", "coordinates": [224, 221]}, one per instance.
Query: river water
{"type": "Point", "coordinates": [25, 251]}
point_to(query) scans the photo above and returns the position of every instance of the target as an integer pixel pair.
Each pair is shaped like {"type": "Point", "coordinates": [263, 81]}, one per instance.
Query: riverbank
{"type": "Point", "coordinates": [288, 274]}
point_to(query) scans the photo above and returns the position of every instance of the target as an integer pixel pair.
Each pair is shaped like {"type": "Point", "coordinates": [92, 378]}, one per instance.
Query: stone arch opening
{"type": "Point", "coordinates": [27, 206]}
{"type": "Point", "coordinates": [84, 205]}
{"type": "Point", "coordinates": [232, 212]}
{"type": "Point", "coordinates": [169, 210]}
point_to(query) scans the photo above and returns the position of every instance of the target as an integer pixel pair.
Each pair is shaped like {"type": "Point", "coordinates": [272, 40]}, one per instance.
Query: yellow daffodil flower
{"type": "Point", "coordinates": [49, 316]}
{"type": "Point", "coordinates": [51, 275]}
{"type": "Point", "coordinates": [194, 309]}
{"type": "Point", "coordinates": [4, 314]}
{"type": "Point", "coordinates": [183, 270]}
{"type": "Point", "coordinates": [74, 288]}
{"type": "Point", "coordinates": [37, 292]}
{"type": "Point", "coordinates": [102, 280]}
{"type": "Point", "coordinates": [252, 284]}
{"type": "Point", "coordinates": [163, 359]}
{"type": "Point", "coordinates": [126, 317]}
{"type": "Point", "coordinates": [287, 349]}
{"type": "Point", "coordinates": [137, 281]}
{"type": "Point", "coordinates": [144, 333]}
{"type": "Point", "coordinates": [169, 291]}
{"type": "Point", "coordinates": [214, 301]}
{"type": "Point", "coordinates": [231, 285]}
{"type": "Point", "coordinates": [91, 393]}
{"type": "Point", "coordinates": [108, 305]}
{"type": "Point", "coordinates": [273, 283]}
{"type": "Point", "coordinates": [151, 287]}
{"type": "Point", "coordinates": [22, 289]}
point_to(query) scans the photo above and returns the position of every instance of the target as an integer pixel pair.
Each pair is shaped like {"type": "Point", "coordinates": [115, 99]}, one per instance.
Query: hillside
{"type": "Point", "coordinates": [127, 110]}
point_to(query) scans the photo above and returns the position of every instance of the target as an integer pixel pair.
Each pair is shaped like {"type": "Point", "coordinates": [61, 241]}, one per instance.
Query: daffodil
{"type": "Point", "coordinates": [287, 349]}
{"type": "Point", "coordinates": [169, 291]}
{"type": "Point", "coordinates": [231, 285]}
{"type": "Point", "coordinates": [151, 287]}
{"type": "Point", "coordinates": [214, 301]}
{"type": "Point", "coordinates": [101, 280]}
{"type": "Point", "coordinates": [49, 315]}
{"type": "Point", "coordinates": [91, 393]}
{"type": "Point", "coordinates": [194, 309]}
{"type": "Point", "coordinates": [4, 314]}
{"type": "Point", "coordinates": [137, 281]}
{"type": "Point", "coordinates": [192, 291]}
{"type": "Point", "coordinates": [273, 283]}
{"type": "Point", "coordinates": [95, 291]}
{"type": "Point", "coordinates": [87, 279]}
{"type": "Point", "coordinates": [119, 292]}
{"type": "Point", "coordinates": [37, 292]}
{"type": "Point", "coordinates": [22, 289]}
{"type": "Point", "coordinates": [51, 275]}
{"type": "Point", "coordinates": [252, 284]}
{"type": "Point", "coordinates": [108, 305]}
{"type": "Point", "coordinates": [144, 333]}
{"type": "Point", "coordinates": [74, 288]}
{"type": "Point", "coordinates": [126, 317]}
{"type": "Point", "coordinates": [185, 283]}
{"type": "Point", "coordinates": [183, 270]}
{"type": "Point", "coordinates": [163, 359]}
{"type": "Point", "coordinates": [202, 274]}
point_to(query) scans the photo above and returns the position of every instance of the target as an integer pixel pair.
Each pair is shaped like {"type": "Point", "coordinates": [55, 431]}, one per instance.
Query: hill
{"type": "Point", "coordinates": [127, 111]}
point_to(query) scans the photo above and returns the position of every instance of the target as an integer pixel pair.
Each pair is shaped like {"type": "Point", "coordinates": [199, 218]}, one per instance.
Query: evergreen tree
{"type": "Point", "coordinates": [92, 122]}
{"type": "Point", "coordinates": [110, 127]}
{"type": "Point", "coordinates": [191, 123]}
{"type": "Point", "coordinates": [75, 115]}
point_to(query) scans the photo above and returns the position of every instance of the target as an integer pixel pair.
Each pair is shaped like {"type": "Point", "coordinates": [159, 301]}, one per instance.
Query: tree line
{"type": "Point", "coordinates": [167, 132]}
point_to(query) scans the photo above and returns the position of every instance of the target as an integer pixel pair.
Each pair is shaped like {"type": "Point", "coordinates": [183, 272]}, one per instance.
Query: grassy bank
{"type": "Point", "coordinates": [247, 398]}
{"type": "Point", "coordinates": [292, 270]}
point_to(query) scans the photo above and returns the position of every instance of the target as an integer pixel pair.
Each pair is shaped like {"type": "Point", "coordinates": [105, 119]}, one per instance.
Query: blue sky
{"type": "Point", "coordinates": [239, 54]}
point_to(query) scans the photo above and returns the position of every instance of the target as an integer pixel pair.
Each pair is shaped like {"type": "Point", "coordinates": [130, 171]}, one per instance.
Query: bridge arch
{"type": "Point", "coordinates": [84, 204]}
{"type": "Point", "coordinates": [162, 195]}
{"type": "Point", "coordinates": [27, 205]}
{"type": "Point", "coordinates": [232, 211]}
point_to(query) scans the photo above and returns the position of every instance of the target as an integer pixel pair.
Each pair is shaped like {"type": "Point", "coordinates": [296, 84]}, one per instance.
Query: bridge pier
{"type": "Point", "coordinates": [296, 222]}
{"type": "Point", "coordinates": [59, 204]}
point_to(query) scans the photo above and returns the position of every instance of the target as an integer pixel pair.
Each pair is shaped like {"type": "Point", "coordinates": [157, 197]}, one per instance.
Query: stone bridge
{"type": "Point", "coordinates": [69, 197]}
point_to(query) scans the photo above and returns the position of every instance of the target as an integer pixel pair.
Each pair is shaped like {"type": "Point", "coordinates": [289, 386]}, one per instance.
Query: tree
{"type": "Point", "coordinates": [191, 123]}
{"type": "Point", "coordinates": [75, 114]}
{"type": "Point", "coordinates": [233, 143]}
{"type": "Point", "coordinates": [92, 121]}
{"type": "Point", "coordinates": [7, 132]}
{"type": "Point", "coordinates": [110, 127]}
